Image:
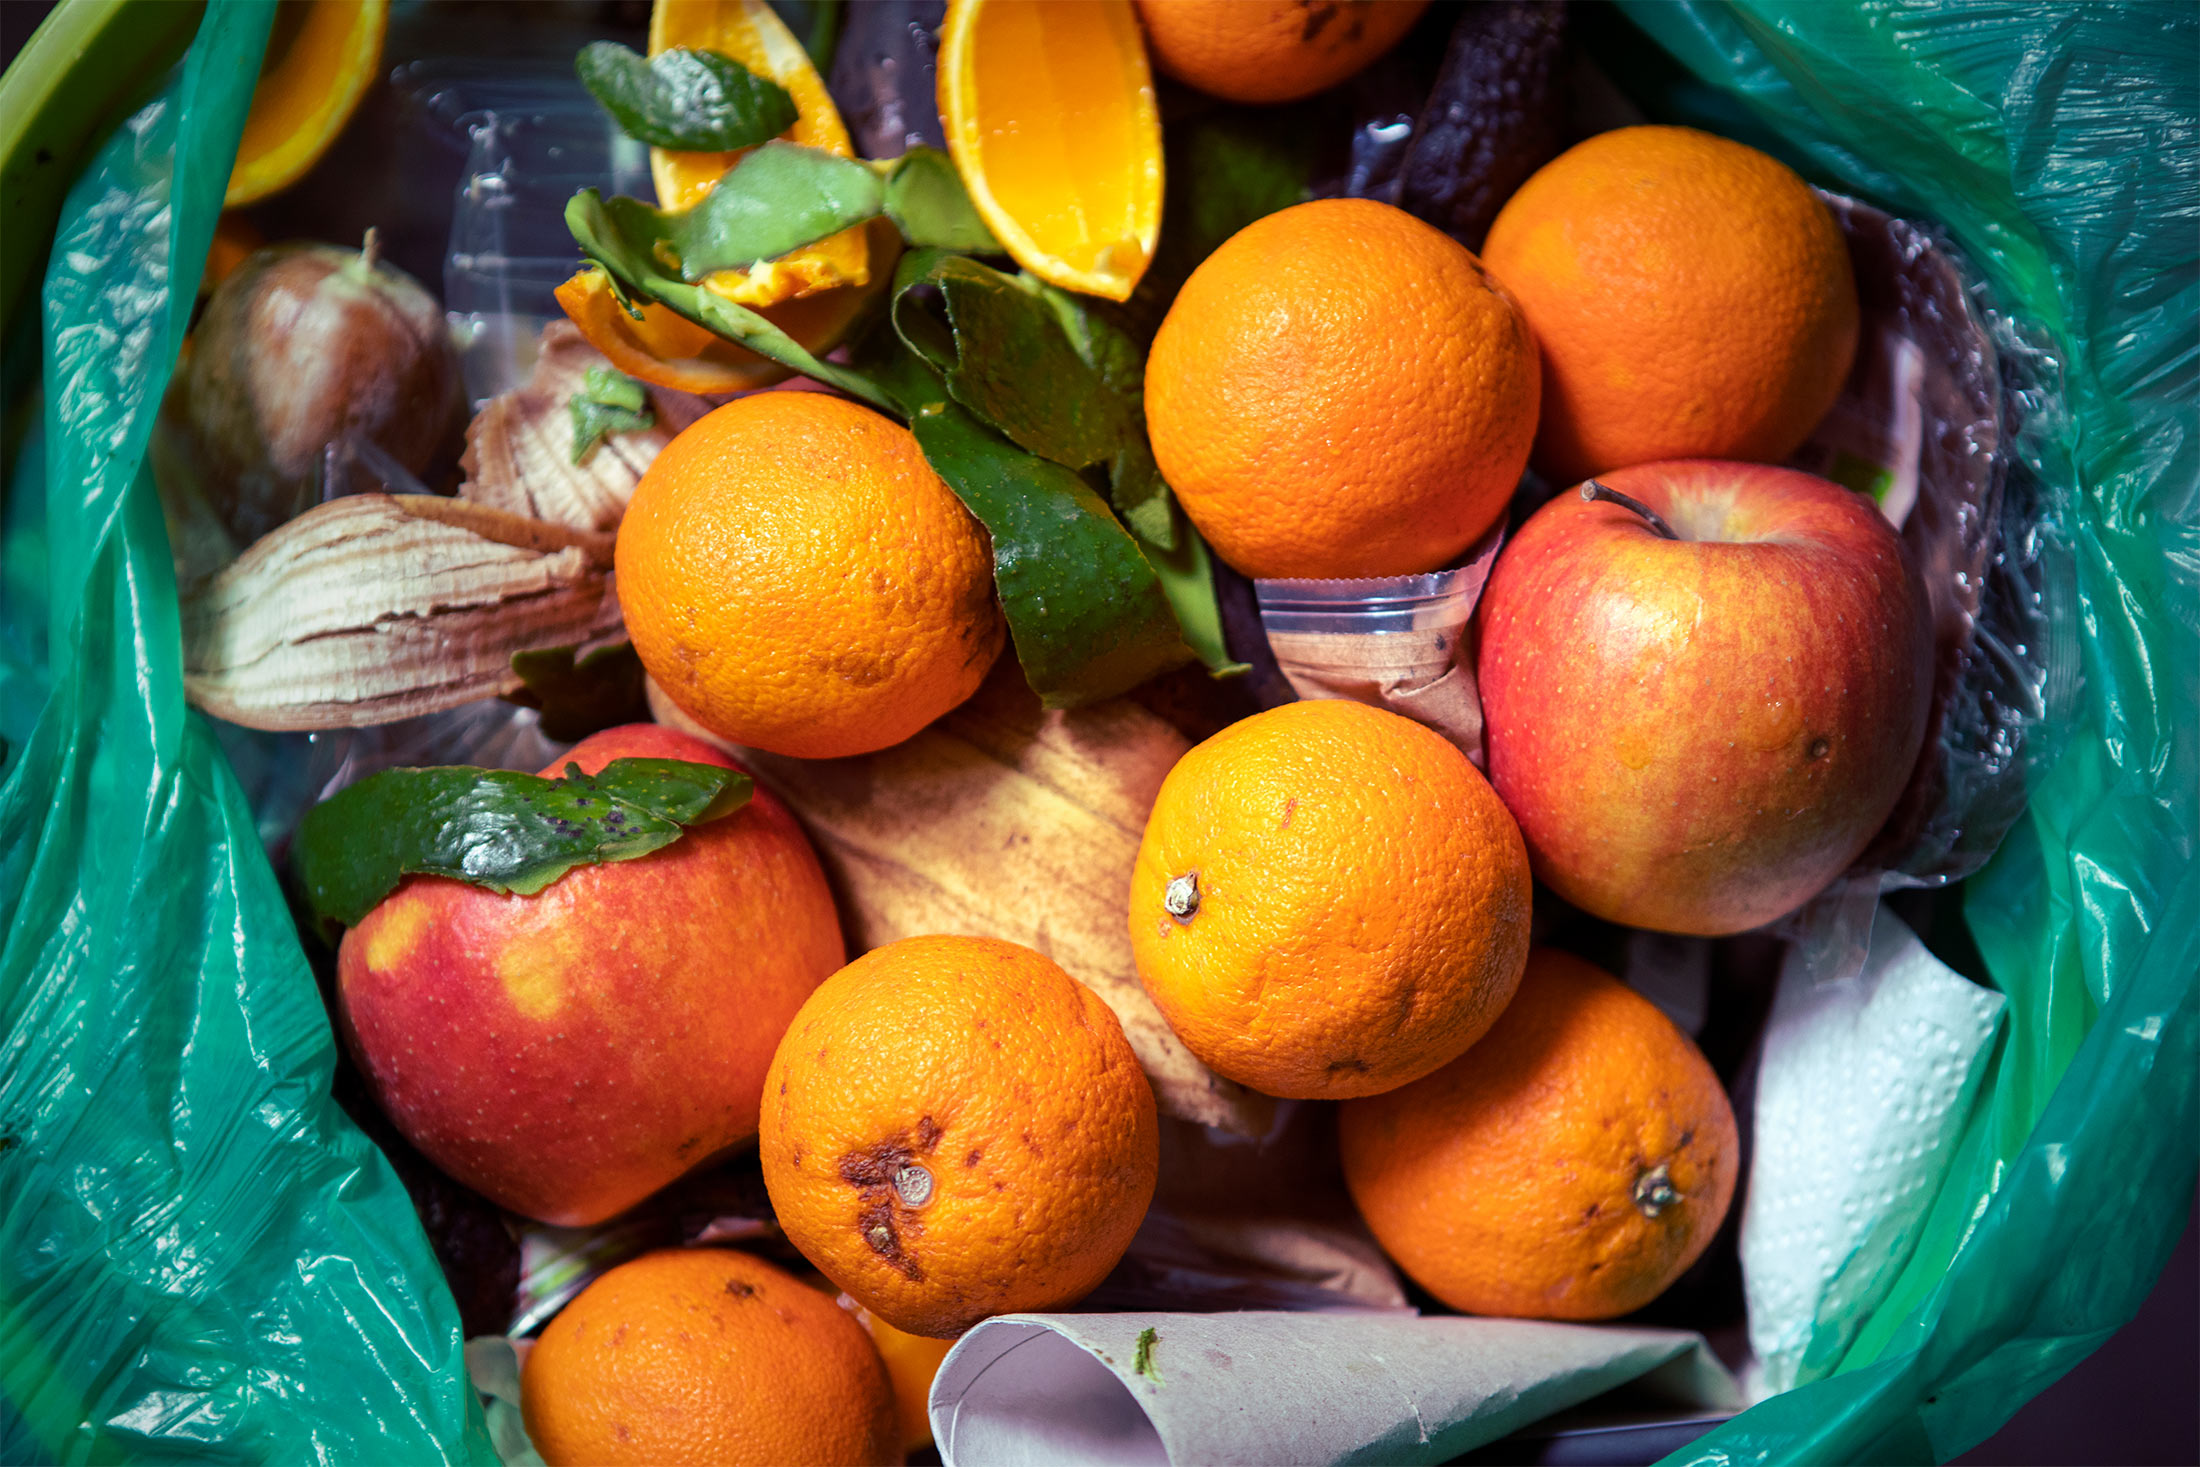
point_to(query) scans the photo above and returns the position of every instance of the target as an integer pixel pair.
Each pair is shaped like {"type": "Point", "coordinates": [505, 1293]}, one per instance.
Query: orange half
{"type": "Point", "coordinates": [322, 55]}
{"type": "Point", "coordinates": [666, 349]}
{"type": "Point", "coordinates": [1049, 111]}
{"type": "Point", "coordinates": [749, 32]}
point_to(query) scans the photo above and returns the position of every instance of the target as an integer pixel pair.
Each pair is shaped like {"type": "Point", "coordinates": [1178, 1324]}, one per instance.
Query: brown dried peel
{"type": "Point", "coordinates": [376, 607]}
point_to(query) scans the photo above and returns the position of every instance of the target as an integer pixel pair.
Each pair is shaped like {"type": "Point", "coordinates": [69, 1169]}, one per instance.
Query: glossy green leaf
{"type": "Point", "coordinates": [926, 200]}
{"type": "Point", "coordinates": [1085, 609]}
{"type": "Point", "coordinates": [498, 828]}
{"type": "Point", "coordinates": [696, 101]}
{"type": "Point", "coordinates": [609, 402]}
{"type": "Point", "coordinates": [773, 202]}
{"type": "Point", "coordinates": [635, 270]}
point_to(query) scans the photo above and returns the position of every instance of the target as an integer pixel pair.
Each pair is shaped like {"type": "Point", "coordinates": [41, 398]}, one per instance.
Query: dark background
{"type": "Point", "coordinates": [2136, 1400]}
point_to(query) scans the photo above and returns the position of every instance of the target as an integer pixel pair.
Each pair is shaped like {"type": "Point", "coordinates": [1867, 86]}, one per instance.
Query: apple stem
{"type": "Point", "coordinates": [1591, 491]}
{"type": "Point", "coordinates": [370, 250]}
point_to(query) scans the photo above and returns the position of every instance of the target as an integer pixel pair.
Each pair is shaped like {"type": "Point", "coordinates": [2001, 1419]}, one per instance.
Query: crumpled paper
{"type": "Point", "coordinates": [1861, 1095]}
{"type": "Point", "coordinates": [1271, 1388]}
{"type": "Point", "coordinates": [1396, 642]}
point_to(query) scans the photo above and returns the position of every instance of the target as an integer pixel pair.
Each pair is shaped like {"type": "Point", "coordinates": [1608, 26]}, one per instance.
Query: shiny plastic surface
{"type": "Point", "coordinates": [199, 1256]}
{"type": "Point", "coordinates": [2055, 145]}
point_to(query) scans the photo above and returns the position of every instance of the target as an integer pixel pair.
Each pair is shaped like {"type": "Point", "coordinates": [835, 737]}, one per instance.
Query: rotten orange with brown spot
{"type": "Point", "coordinates": [954, 1128]}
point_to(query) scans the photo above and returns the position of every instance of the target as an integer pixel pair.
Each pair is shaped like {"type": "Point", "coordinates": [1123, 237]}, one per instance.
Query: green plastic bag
{"type": "Point", "coordinates": [2056, 146]}
{"type": "Point", "coordinates": [200, 1257]}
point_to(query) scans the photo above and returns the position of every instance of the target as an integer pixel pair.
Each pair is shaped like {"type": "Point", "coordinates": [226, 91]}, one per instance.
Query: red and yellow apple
{"type": "Point", "coordinates": [1697, 733]}
{"type": "Point", "coordinates": [567, 1054]}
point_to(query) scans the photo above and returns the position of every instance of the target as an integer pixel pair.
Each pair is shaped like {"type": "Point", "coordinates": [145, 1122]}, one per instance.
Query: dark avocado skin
{"type": "Point", "coordinates": [1498, 113]}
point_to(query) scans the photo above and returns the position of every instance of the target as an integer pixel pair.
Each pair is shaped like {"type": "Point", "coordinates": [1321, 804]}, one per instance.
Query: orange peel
{"type": "Point", "coordinates": [321, 57]}
{"type": "Point", "coordinates": [750, 33]}
{"type": "Point", "coordinates": [1050, 114]}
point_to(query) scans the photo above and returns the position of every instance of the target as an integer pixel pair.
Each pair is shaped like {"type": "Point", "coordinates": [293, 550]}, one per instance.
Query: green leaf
{"type": "Point", "coordinates": [578, 698]}
{"type": "Point", "coordinates": [636, 270]}
{"type": "Point", "coordinates": [1085, 610]}
{"type": "Point", "coordinates": [1004, 356]}
{"type": "Point", "coordinates": [926, 200]}
{"type": "Point", "coordinates": [498, 828]}
{"type": "Point", "coordinates": [1142, 1355]}
{"type": "Point", "coordinates": [608, 402]}
{"type": "Point", "coordinates": [777, 199]}
{"type": "Point", "coordinates": [695, 101]}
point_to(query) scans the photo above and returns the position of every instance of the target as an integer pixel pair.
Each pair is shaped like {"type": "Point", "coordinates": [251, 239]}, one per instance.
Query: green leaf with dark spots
{"type": "Point", "coordinates": [777, 199]}
{"type": "Point", "coordinates": [577, 698]}
{"type": "Point", "coordinates": [926, 200]}
{"type": "Point", "coordinates": [694, 101]}
{"type": "Point", "coordinates": [608, 402]}
{"type": "Point", "coordinates": [498, 829]}
{"type": "Point", "coordinates": [1142, 1355]}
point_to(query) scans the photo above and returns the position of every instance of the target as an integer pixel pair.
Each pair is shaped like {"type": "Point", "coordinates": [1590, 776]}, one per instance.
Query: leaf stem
{"type": "Point", "coordinates": [1592, 491]}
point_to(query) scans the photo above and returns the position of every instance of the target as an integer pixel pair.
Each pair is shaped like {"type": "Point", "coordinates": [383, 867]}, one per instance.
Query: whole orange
{"type": "Point", "coordinates": [1271, 50]}
{"type": "Point", "coordinates": [705, 1355]}
{"type": "Point", "coordinates": [954, 1127]}
{"type": "Point", "coordinates": [1329, 901]}
{"type": "Point", "coordinates": [1691, 296]}
{"type": "Point", "coordinates": [795, 577]}
{"type": "Point", "coordinates": [568, 1053]}
{"type": "Point", "coordinates": [1342, 390]}
{"type": "Point", "coordinates": [1569, 1166]}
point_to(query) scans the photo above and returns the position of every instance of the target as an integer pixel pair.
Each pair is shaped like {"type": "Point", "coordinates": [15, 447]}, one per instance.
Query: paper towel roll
{"type": "Point", "coordinates": [1863, 1091]}
{"type": "Point", "coordinates": [1067, 1390]}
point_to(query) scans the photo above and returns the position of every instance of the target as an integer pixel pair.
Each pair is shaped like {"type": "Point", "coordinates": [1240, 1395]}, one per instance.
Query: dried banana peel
{"type": "Point", "coordinates": [378, 607]}
{"type": "Point", "coordinates": [519, 448]}
{"type": "Point", "coordinates": [1006, 820]}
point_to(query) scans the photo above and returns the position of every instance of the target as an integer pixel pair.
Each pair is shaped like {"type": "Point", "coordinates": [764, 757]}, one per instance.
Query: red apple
{"type": "Point", "coordinates": [567, 1054]}
{"type": "Point", "coordinates": [1697, 733]}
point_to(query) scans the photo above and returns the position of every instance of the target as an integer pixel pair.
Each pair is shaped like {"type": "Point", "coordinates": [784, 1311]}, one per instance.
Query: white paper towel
{"type": "Point", "coordinates": [1863, 1091]}
{"type": "Point", "coordinates": [1065, 1390]}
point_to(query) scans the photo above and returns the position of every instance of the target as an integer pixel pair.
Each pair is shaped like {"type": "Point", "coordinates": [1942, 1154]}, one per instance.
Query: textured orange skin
{"type": "Point", "coordinates": [1009, 1081]}
{"type": "Point", "coordinates": [569, 1053]}
{"type": "Point", "coordinates": [1363, 901]}
{"type": "Point", "coordinates": [1696, 736]}
{"type": "Point", "coordinates": [1341, 390]}
{"type": "Point", "coordinates": [1505, 1182]}
{"type": "Point", "coordinates": [1691, 296]}
{"type": "Point", "coordinates": [796, 578]}
{"type": "Point", "coordinates": [1271, 50]}
{"type": "Point", "coordinates": [706, 1356]}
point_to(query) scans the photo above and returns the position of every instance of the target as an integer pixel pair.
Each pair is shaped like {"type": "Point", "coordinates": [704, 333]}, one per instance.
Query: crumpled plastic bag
{"type": "Point", "coordinates": [2053, 144]}
{"type": "Point", "coordinates": [199, 1255]}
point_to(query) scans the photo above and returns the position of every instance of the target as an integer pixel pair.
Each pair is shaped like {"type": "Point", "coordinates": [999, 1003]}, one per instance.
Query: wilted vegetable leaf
{"type": "Point", "coordinates": [608, 402]}
{"type": "Point", "coordinates": [694, 101]}
{"type": "Point", "coordinates": [498, 828]}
